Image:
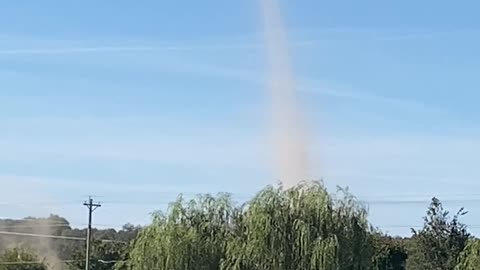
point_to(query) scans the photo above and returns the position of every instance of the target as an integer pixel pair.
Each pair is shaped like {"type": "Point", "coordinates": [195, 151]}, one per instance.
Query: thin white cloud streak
{"type": "Point", "coordinates": [82, 50]}
{"type": "Point", "coordinates": [306, 85]}
{"type": "Point", "coordinates": [345, 34]}
{"type": "Point", "coordinates": [105, 49]}
{"type": "Point", "coordinates": [323, 88]}
{"type": "Point", "coordinates": [309, 86]}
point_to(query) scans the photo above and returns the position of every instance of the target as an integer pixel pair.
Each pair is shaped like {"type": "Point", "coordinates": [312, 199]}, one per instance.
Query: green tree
{"type": "Point", "coordinates": [389, 253]}
{"type": "Point", "coordinates": [190, 236]}
{"type": "Point", "coordinates": [105, 254]}
{"type": "Point", "coordinates": [439, 243]}
{"type": "Point", "coordinates": [299, 228]}
{"type": "Point", "coordinates": [19, 259]}
{"type": "Point", "coordinates": [470, 257]}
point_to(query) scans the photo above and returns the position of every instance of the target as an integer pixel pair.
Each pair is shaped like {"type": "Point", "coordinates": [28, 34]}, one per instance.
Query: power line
{"type": "Point", "coordinates": [372, 202]}
{"type": "Point", "coordinates": [33, 262]}
{"type": "Point", "coordinates": [64, 261]}
{"type": "Point", "coordinates": [404, 202]}
{"type": "Point", "coordinates": [74, 226]}
{"type": "Point", "coordinates": [37, 203]}
{"type": "Point", "coordinates": [418, 225]}
{"type": "Point", "coordinates": [58, 237]}
{"type": "Point", "coordinates": [408, 198]}
{"type": "Point", "coordinates": [33, 226]}
{"type": "Point", "coordinates": [42, 235]}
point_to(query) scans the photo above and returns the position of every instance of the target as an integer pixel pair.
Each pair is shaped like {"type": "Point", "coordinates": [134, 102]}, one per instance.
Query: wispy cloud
{"type": "Point", "coordinates": [116, 49]}
{"type": "Point", "coordinates": [83, 50]}
{"type": "Point", "coordinates": [301, 37]}
{"type": "Point", "coordinates": [313, 86]}
{"type": "Point", "coordinates": [306, 85]}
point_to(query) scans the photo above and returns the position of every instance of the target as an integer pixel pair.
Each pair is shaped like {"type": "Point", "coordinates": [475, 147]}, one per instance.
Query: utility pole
{"type": "Point", "coordinates": [91, 207]}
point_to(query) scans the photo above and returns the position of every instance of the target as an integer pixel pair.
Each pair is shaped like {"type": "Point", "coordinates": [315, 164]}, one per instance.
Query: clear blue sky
{"type": "Point", "coordinates": [141, 101]}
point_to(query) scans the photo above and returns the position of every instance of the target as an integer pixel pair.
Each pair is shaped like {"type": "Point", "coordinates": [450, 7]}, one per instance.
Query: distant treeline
{"type": "Point", "coordinates": [302, 228]}
{"type": "Point", "coordinates": [27, 240]}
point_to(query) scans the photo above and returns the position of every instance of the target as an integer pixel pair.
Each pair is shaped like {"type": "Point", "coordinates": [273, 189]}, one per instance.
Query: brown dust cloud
{"type": "Point", "coordinates": [288, 133]}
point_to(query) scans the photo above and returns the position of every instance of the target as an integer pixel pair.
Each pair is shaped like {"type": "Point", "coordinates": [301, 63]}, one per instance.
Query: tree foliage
{"type": "Point", "coordinates": [470, 257]}
{"type": "Point", "coordinates": [299, 228]}
{"type": "Point", "coordinates": [104, 256]}
{"type": "Point", "coordinates": [19, 259]}
{"type": "Point", "coordinates": [303, 227]}
{"type": "Point", "coordinates": [390, 253]}
{"type": "Point", "coordinates": [438, 244]}
{"type": "Point", "coordinates": [104, 253]}
{"type": "Point", "coordinates": [191, 235]}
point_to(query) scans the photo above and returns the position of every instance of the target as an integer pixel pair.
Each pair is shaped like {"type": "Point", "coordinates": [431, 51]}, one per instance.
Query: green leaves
{"type": "Point", "coordinates": [19, 259]}
{"type": "Point", "coordinates": [438, 245]}
{"type": "Point", "coordinates": [192, 235]}
{"type": "Point", "coordinates": [299, 228]}
{"type": "Point", "coordinates": [390, 252]}
{"type": "Point", "coordinates": [470, 258]}
{"type": "Point", "coordinates": [105, 254]}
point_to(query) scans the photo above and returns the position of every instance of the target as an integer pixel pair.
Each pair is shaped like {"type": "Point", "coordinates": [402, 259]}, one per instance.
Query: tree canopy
{"type": "Point", "coordinates": [438, 244]}
{"type": "Point", "coordinates": [20, 259]}
{"type": "Point", "coordinates": [303, 227]}
{"type": "Point", "coordinates": [299, 228]}
{"type": "Point", "coordinates": [470, 257]}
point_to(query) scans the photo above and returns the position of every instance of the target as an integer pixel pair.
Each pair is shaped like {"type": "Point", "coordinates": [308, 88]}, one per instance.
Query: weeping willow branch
{"type": "Point", "coordinates": [299, 228]}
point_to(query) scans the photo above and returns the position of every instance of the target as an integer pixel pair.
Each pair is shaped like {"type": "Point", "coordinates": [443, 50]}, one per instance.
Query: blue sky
{"type": "Point", "coordinates": [141, 101]}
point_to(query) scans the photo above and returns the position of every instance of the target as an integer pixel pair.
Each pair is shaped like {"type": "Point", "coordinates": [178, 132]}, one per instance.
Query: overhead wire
{"type": "Point", "coordinates": [27, 226]}
{"type": "Point", "coordinates": [57, 237]}
{"type": "Point", "coordinates": [34, 262]}
{"type": "Point", "coordinates": [399, 199]}
{"type": "Point", "coordinates": [64, 261]}
{"type": "Point", "coordinates": [380, 200]}
{"type": "Point", "coordinates": [42, 235]}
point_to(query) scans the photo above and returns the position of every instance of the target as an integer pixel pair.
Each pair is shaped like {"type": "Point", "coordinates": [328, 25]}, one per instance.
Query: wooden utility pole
{"type": "Point", "coordinates": [91, 207]}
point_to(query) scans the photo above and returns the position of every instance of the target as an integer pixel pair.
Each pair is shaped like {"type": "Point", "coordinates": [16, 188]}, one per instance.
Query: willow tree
{"type": "Point", "coordinates": [470, 257]}
{"type": "Point", "coordinates": [191, 235]}
{"type": "Point", "coordinates": [300, 228]}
